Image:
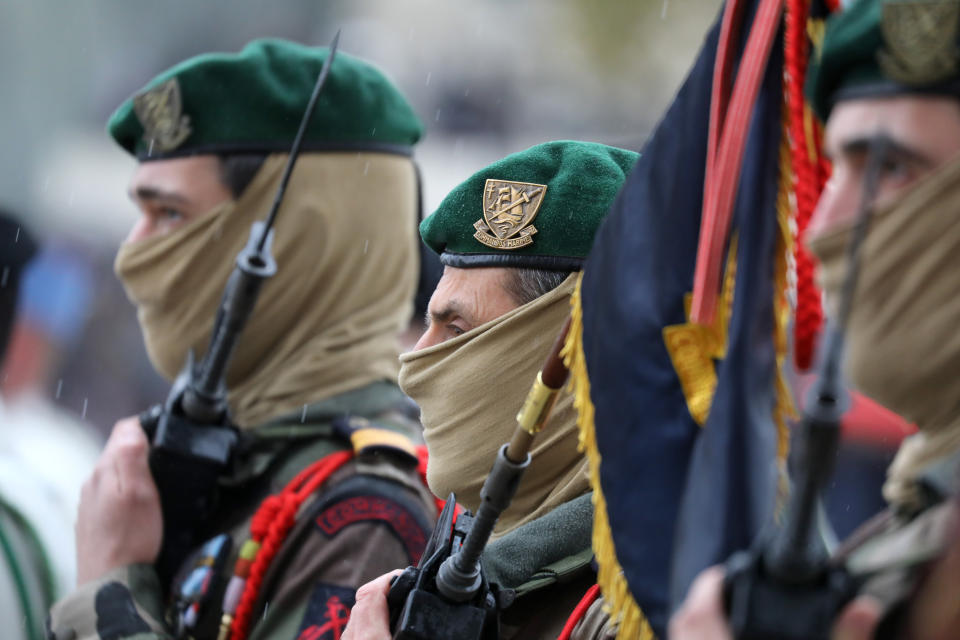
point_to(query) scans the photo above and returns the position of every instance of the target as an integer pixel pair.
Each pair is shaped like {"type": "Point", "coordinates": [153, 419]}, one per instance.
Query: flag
{"type": "Point", "coordinates": [683, 423]}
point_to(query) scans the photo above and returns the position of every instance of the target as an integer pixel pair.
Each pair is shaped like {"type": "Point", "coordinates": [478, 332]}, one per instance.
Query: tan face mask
{"type": "Point", "coordinates": [158, 272]}
{"type": "Point", "coordinates": [903, 334]}
{"type": "Point", "coordinates": [327, 322]}
{"type": "Point", "coordinates": [470, 389]}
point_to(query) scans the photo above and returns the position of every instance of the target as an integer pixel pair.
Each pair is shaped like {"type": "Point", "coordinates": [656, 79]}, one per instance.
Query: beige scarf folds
{"type": "Point", "coordinates": [470, 389]}
{"type": "Point", "coordinates": [903, 334]}
{"type": "Point", "coordinates": [327, 322]}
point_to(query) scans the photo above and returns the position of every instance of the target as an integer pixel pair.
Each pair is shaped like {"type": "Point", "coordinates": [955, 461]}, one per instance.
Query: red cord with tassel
{"type": "Point", "coordinates": [810, 170]}
{"type": "Point", "coordinates": [270, 525]}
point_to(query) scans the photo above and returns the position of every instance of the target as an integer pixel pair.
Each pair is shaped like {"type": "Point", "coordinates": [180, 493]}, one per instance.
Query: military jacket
{"type": "Point", "coordinates": [547, 564]}
{"type": "Point", "coordinates": [891, 553]}
{"type": "Point", "coordinates": [372, 515]}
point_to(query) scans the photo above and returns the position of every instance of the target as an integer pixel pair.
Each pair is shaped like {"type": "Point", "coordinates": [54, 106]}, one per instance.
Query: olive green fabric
{"type": "Point", "coordinates": [254, 100]}
{"type": "Point", "coordinates": [271, 456]}
{"type": "Point", "coordinates": [547, 563]}
{"type": "Point", "coordinates": [581, 179]}
{"type": "Point", "coordinates": [883, 48]}
{"type": "Point", "coordinates": [540, 552]}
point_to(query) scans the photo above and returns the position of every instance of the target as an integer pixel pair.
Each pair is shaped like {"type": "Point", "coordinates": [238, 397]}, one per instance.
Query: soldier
{"type": "Point", "coordinates": [314, 370]}
{"type": "Point", "coordinates": [890, 72]}
{"type": "Point", "coordinates": [510, 237]}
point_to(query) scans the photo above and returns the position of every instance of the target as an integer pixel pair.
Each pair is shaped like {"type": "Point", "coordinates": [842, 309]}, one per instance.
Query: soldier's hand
{"type": "Point", "coordinates": [370, 617]}
{"type": "Point", "coordinates": [702, 616]}
{"type": "Point", "coordinates": [857, 620]}
{"type": "Point", "coordinates": [119, 520]}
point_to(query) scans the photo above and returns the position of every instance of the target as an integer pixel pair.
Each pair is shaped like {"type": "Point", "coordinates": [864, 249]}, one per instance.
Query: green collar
{"type": "Point", "coordinates": [545, 551]}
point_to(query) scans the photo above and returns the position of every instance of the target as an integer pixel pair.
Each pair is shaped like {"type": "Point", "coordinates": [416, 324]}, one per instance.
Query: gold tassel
{"type": "Point", "coordinates": [785, 408]}
{"type": "Point", "coordinates": [620, 605]}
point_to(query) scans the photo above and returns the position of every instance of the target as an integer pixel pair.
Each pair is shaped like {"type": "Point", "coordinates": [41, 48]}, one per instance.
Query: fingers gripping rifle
{"type": "Point", "coordinates": [192, 436]}
{"type": "Point", "coordinates": [447, 595]}
{"type": "Point", "coordinates": [786, 588]}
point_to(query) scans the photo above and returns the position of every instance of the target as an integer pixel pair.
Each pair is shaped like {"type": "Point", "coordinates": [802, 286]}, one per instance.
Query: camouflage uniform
{"type": "Point", "coordinates": [375, 508]}
{"type": "Point", "coordinates": [541, 546]}
{"type": "Point", "coordinates": [323, 337]}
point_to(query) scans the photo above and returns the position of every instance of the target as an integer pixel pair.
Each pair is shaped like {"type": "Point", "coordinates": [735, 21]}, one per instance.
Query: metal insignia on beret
{"type": "Point", "coordinates": [508, 210]}
{"type": "Point", "coordinates": [921, 41]}
{"type": "Point", "coordinates": [159, 111]}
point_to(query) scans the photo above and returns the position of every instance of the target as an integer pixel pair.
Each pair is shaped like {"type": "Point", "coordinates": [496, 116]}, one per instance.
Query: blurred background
{"type": "Point", "coordinates": [487, 78]}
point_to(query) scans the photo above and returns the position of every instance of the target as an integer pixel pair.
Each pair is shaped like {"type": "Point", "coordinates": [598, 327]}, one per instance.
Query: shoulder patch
{"type": "Point", "coordinates": [370, 499]}
{"type": "Point", "coordinates": [327, 612]}
{"type": "Point", "coordinates": [379, 509]}
{"type": "Point", "coordinates": [366, 437]}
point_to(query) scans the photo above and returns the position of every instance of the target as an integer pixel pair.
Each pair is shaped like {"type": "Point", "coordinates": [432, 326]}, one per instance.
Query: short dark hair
{"type": "Point", "coordinates": [238, 169]}
{"type": "Point", "coordinates": [526, 285]}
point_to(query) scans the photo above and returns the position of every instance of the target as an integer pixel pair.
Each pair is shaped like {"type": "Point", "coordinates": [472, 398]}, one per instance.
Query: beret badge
{"type": "Point", "coordinates": [921, 41]}
{"type": "Point", "coordinates": [508, 211]}
{"type": "Point", "coordinates": [160, 111]}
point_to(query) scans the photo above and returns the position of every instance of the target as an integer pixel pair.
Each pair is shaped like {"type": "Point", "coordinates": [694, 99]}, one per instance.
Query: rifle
{"type": "Point", "coordinates": [447, 595]}
{"type": "Point", "coordinates": [785, 588]}
{"type": "Point", "coordinates": [192, 436]}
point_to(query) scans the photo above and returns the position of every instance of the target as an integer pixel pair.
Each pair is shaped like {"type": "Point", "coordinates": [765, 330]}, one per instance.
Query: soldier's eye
{"type": "Point", "coordinates": [169, 214]}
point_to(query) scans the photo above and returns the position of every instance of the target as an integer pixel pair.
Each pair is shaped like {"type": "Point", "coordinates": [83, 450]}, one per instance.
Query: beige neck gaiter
{"type": "Point", "coordinates": [326, 323]}
{"type": "Point", "coordinates": [903, 334]}
{"type": "Point", "coordinates": [470, 389]}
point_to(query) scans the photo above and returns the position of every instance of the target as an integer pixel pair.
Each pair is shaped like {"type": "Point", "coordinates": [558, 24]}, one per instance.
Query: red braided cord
{"type": "Point", "coordinates": [810, 175]}
{"type": "Point", "coordinates": [270, 525]}
{"type": "Point", "coordinates": [806, 182]}
{"type": "Point", "coordinates": [579, 612]}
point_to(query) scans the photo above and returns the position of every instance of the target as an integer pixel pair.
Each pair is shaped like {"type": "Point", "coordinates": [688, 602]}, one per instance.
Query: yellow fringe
{"type": "Point", "coordinates": [620, 605]}
{"type": "Point", "coordinates": [785, 409]}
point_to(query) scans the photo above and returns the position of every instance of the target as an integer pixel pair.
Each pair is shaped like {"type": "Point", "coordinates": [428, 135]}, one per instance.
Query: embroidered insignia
{"type": "Point", "coordinates": [378, 509]}
{"type": "Point", "coordinates": [508, 210]}
{"type": "Point", "coordinates": [327, 613]}
{"type": "Point", "coordinates": [921, 41]}
{"type": "Point", "coordinates": [159, 111]}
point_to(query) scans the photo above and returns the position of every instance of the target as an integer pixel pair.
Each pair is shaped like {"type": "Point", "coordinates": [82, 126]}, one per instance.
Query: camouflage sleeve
{"type": "Point", "coordinates": [125, 603]}
{"type": "Point", "coordinates": [364, 527]}
{"type": "Point", "coordinates": [595, 624]}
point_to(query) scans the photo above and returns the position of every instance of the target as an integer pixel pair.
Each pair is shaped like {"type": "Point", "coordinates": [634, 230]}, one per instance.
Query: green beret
{"type": "Point", "coordinates": [539, 208]}
{"type": "Point", "coordinates": [879, 48]}
{"type": "Point", "coordinates": [253, 102]}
